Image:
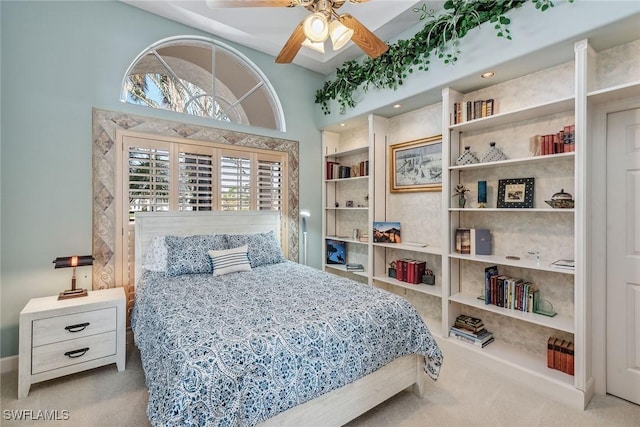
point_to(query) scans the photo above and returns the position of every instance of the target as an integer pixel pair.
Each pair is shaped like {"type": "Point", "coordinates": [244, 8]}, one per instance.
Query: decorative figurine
{"type": "Point", "coordinates": [461, 190]}
{"type": "Point", "coordinates": [561, 200]}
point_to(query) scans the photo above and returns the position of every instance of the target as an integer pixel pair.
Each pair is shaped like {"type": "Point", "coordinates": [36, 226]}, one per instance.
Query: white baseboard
{"type": "Point", "coordinates": [8, 364]}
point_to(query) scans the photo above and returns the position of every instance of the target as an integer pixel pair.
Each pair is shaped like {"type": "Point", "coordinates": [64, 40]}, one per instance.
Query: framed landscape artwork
{"type": "Point", "coordinates": [515, 193]}
{"type": "Point", "coordinates": [386, 232]}
{"type": "Point", "coordinates": [416, 165]}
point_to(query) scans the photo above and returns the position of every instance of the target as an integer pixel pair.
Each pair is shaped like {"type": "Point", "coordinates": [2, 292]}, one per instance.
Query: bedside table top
{"type": "Point", "coordinates": [36, 305]}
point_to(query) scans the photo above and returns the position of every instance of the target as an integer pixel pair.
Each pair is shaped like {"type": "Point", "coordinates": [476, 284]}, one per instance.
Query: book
{"type": "Point", "coordinates": [354, 267]}
{"type": "Point", "coordinates": [468, 322]}
{"type": "Point", "coordinates": [550, 353]}
{"type": "Point", "coordinates": [489, 272]}
{"type": "Point", "coordinates": [463, 241]}
{"type": "Point", "coordinates": [487, 337]}
{"type": "Point", "coordinates": [570, 359]}
{"type": "Point", "coordinates": [481, 336]}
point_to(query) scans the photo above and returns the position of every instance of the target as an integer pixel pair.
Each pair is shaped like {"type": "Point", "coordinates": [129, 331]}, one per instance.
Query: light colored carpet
{"type": "Point", "coordinates": [462, 396]}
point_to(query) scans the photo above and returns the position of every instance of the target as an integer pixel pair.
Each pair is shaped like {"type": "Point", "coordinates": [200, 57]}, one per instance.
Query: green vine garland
{"type": "Point", "coordinates": [439, 37]}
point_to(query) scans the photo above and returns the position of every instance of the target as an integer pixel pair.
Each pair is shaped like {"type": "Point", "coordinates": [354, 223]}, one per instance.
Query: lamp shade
{"type": "Point", "coordinates": [318, 47]}
{"type": "Point", "coordinates": [340, 35]}
{"type": "Point", "coordinates": [316, 27]}
{"type": "Point", "coordinates": [73, 261]}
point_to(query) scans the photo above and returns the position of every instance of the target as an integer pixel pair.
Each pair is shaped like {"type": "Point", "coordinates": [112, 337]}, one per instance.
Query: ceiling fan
{"type": "Point", "coordinates": [322, 23]}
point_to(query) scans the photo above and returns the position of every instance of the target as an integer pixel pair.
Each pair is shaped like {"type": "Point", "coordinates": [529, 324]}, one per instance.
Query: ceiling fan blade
{"type": "Point", "coordinates": [365, 39]}
{"type": "Point", "coordinates": [292, 46]}
{"type": "Point", "coordinates": [251, 3]}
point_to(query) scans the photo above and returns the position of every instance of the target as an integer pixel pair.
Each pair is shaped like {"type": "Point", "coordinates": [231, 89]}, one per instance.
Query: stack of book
{"type": "Point", "coordinates": [354, 267]}
{"type": "Point", "coordinates": [471, 329]}
{"type": "Point", "coordinates": [410, 270]}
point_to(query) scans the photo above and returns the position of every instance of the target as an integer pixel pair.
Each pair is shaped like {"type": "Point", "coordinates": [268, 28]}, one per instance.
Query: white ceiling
{"type": "Point", "coordinates": [267, 29]}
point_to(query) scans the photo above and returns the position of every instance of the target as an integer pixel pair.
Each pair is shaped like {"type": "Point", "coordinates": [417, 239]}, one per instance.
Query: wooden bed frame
{"type": "Point", "coordinates": [331, 409]}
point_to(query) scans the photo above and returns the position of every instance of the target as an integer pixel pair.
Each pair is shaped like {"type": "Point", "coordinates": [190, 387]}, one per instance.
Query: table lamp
{"type": "Point", "coordinates": [73, 261]}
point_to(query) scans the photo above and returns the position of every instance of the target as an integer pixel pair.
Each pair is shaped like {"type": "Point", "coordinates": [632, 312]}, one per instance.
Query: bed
{"type": "Point", "coordinates": [269, 342]}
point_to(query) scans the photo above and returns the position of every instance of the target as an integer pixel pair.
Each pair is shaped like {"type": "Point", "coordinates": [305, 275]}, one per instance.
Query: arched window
{"type": "Point", "coordinates": [202, 77]}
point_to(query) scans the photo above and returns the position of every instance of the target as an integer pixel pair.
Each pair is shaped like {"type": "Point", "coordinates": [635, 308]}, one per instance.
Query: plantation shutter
{"type": "Point", "coordinates": [235, 181]}
{"type": "Point", "coordinates": [196, 178]}
{"type": "Point", "coordinates": [148, 180]}
{"type": "Point", "coordinates": [270, 182]}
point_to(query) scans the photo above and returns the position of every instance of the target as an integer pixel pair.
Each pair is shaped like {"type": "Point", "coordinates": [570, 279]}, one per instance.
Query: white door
{"type": "Point", "coordinates": [623, 254]}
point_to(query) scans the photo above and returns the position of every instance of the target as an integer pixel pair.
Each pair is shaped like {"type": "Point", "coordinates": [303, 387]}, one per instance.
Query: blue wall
{"type": "Point", "coordinates": [58, 60]}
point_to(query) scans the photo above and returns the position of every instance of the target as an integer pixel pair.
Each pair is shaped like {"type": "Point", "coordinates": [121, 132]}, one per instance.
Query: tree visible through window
{"type": "Point", "coordinates": [204, 78]}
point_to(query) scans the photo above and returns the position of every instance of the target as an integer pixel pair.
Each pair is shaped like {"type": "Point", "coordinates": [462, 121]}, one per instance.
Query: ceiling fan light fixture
{"type": "Point", "coordinates": [316, 27]}
{"type": "Point", "coordinates": [340, 34]}
{"type": "Point", "coordinates": [318, 47]}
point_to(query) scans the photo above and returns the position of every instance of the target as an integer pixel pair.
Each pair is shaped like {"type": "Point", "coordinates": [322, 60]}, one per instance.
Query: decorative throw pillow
{"type": "Point", "coordinates": [188, 255]}
{"type": "Point", "coordinates": [230, 260]}
{"type": "Point", "coordinates": [263, 247]}
{"type": "Point", "coordinates": [155, 257]}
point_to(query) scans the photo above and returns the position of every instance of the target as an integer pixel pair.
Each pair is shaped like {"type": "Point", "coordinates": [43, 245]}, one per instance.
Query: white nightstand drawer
{"type": "Point", "coordinates": [71, 352]}
{"type": "Point", "coordinates": [72, 326]}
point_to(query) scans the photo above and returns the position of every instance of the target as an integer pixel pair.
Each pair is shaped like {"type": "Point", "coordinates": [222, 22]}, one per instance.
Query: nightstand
{"type": "Point", "coordinates": [61, 337]}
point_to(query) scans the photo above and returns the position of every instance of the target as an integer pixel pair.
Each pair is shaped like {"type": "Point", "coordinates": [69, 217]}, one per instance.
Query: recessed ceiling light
{"type": "Point", "coordinates": [343, 124]}
{"type": "Point", "coordinates": [488, 74]}
{"type": "Point", "coordinates": [397, 106]}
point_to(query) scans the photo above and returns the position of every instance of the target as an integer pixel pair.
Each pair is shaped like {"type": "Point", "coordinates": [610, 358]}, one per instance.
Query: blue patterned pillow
{"type": "Point", "coordinates": [263, 247]}
{"type": "Point", "coordinates": [188, 255]}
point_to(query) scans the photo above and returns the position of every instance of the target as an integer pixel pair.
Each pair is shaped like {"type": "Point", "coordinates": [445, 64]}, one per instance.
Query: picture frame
{"type": "Point", "coordinates": [416, 165]}
{"type": "Point", "coordinates": [386, 232]}
{"type": "Point", "coordinates": [516, 193]}
{"type": "Point", "coordinates": [336, 252]}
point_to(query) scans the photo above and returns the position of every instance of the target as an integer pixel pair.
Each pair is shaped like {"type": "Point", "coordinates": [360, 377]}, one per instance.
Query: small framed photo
{"type": "Point", "coordinates": [416, 165]}
{"type": "Point", "coordinates": [386, 232]}
{"type": "Point", "coordinates": [516, 193]}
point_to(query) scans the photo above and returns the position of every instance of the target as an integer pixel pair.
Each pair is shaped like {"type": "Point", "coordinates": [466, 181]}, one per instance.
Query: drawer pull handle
{"type": "Point", "coordinates": [77, 328]}
{"type": "Point", "coordinates": [77, 353]}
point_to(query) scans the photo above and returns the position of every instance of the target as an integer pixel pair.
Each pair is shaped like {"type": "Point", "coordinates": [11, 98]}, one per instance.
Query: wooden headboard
{"type": "Point", "coordinates": [149, 224]}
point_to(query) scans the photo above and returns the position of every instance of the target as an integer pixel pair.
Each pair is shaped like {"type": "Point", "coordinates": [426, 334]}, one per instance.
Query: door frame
{"type": "Point", "coordinates": [597, 240]}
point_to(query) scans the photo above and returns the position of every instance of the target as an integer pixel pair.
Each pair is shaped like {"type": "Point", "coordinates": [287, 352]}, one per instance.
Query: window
{"type": "Point", "coordinates": [164, 174]}
{"type": "Point", "coordinates": [205, 78]}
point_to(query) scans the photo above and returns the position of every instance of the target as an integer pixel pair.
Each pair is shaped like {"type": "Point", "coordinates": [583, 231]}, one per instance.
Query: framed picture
{"type": "Point", "coordinates": [386, 232]}
{"type": "Point", "coordinates": [416, 165]}
{"type": "Point", "coordinates": [336, 252]}
{"type": "Point", "coordinates": [515, 193]}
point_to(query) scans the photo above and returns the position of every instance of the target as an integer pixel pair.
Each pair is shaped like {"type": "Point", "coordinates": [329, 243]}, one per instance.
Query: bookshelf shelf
{"type": "Point", "coordinates": [561, 323]}
{"type": "Point", "coordinates": [522, 361]}
{"type": "Point", "coordinates": [515, 162]}
{"type": "Point", "coordinates": [343, 268]}
{"type": "Point", "coordinates": [357, 208]}
{"type": "Point", "coordinates": [345, 239]}
{"type": "Point", "coordinates": [346, 153]}
{"type": "Point", "coordinates": [428, 249]}
{"type": "Point", "coordinates": [612, 93]}
{"type": "Point", "coordinates": [527, 210]}
{"type": "Point", "coordinates": [354, 178]}
{"type": "Point", "coordinates": [435, 290]}
{"type": "Point", "coordinates": [544, 109]}
{"type": "Point", "coordinates": [543, 265]}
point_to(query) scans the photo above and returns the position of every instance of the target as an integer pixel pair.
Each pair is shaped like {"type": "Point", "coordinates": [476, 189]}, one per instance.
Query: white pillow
{"type": "Point", "coordinates": [230, 260]}
{"type": "Point", "coordinates": [155, 257]}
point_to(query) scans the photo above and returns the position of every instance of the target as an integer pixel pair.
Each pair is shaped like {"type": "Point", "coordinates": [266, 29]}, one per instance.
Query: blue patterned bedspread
{"type": "Point", "coordinates": [237, 349]}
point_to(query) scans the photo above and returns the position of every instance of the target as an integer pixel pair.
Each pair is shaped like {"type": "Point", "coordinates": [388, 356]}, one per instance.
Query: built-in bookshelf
{"type": "Point", "coordinates": [345, 197]}
{"type": "Point", "coordinates": [569, 94]}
